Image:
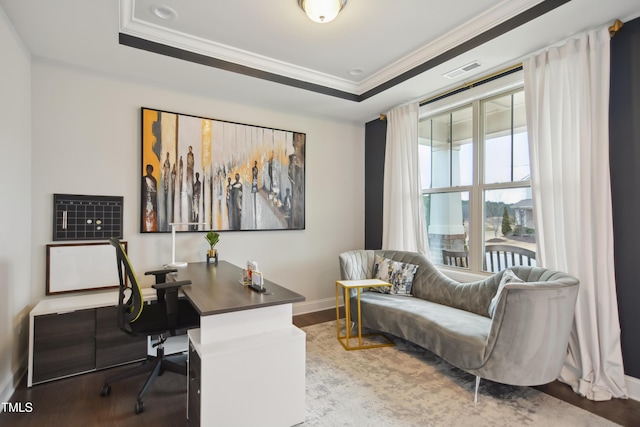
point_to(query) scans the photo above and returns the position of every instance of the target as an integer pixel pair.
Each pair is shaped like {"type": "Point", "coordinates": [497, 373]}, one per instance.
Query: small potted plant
{"type": "Point", "coordinates": [212, 238]}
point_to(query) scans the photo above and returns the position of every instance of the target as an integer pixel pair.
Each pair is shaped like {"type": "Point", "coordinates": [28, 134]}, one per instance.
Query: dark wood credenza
{"type": "Point", "coordinates": [75, 334]}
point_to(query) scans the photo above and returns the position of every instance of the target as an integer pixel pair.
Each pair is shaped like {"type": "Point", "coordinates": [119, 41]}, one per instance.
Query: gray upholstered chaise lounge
{"type": "Point", "coordinates": [524, 343]}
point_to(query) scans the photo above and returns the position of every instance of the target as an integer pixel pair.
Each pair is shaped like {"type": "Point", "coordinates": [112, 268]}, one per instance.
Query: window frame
{"type": "Point", "coordinates": [475, 97]}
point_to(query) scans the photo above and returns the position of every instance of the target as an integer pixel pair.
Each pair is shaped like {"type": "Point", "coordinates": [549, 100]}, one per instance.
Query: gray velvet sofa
{"type": "Point", "coordinates": [524, 343]}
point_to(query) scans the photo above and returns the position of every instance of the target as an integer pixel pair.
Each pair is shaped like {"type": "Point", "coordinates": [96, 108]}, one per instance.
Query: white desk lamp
{"type": "Point", "coordinates": [174, 263]}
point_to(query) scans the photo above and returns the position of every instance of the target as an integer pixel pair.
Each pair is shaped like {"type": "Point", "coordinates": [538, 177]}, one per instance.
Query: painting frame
{"type": "Point", "coordinates": [201, 174]}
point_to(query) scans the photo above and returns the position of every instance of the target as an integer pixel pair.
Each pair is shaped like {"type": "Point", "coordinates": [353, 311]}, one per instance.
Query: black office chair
{"type": "Point", "coordinates": [167, 315]}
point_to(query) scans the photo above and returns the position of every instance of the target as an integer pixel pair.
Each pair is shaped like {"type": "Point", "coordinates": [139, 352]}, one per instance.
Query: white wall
{"type": "Point", "coordinates": [86, 140]}
{"type": "Point", "coordinates": [15, 207]}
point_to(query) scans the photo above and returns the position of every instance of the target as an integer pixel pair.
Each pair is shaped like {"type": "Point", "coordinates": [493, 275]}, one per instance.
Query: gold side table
{"type": "Point", "coordinates": [358, 285]}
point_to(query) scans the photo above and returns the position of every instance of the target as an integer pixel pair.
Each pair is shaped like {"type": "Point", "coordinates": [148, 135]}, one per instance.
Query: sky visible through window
{"type": "Point", "coordinates": [497, 166]}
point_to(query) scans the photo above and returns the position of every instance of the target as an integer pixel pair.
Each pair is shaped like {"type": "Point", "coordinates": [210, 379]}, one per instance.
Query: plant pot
{"type": "Point", "coordinates": [212, 255]}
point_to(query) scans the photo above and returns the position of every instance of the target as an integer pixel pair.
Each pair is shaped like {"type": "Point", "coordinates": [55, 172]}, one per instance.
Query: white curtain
{"type": "Point", "coordinates": [402, 218]}
{"type": "Point", "coordinates": [567, 100]}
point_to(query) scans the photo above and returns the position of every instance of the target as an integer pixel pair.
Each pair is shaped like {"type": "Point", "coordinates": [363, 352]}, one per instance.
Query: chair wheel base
{"type": "Point", "coordinates": [139, 407]}
{"type": "Point", "coordinates": [106, 390]}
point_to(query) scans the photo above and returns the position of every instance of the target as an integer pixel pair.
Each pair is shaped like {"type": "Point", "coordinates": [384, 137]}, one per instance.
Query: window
{"type": "Point", "coordinates": [475, 180]}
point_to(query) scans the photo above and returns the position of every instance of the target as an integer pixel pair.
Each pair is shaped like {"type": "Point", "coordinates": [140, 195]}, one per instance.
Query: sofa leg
{"type": "Point", "coordinates": [475, 397]}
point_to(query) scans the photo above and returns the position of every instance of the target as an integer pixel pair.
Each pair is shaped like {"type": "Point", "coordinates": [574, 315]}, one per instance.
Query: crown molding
{"type": "Point", "coordinates": [498, 14]}
{"type": "Point", "coordinates": [503, 17]}
{"type": "Point", "coordinates": [148, 31]}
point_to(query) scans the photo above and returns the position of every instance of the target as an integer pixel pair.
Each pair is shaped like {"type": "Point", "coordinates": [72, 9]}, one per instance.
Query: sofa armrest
{"type": "Point", "coordinates": [527, 342]}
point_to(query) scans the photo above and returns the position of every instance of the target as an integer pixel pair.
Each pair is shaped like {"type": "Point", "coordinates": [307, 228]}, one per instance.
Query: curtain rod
{"type": "Point", "coordinates": [467, 85]}
{"type": "Point", "coordinates": [615, 27]}
{"type": "Point", "coordinates": [473, 83]}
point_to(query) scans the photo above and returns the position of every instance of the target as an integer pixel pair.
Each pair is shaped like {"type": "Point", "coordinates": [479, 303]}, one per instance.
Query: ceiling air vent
{"type": "Point", "coordinates": [462, 70]}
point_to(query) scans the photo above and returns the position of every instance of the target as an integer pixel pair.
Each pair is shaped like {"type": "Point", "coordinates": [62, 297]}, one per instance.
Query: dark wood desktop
{"type": "Point", "coordinates": [217, 289]}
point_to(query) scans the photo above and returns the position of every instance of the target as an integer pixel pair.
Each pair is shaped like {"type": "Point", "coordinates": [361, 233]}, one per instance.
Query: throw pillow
{"type": "Point", "coordinates": [399, 274]}
{"type": "Point", "coordinates": [507, 277]}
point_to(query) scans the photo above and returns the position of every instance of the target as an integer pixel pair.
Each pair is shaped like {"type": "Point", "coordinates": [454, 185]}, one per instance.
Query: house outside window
{"type": "Point", "coordinates": [475, 180]}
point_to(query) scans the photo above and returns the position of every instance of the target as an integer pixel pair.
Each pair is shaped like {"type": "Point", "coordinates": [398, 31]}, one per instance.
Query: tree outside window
{"type": "Point", "coordinates": [475, 181]}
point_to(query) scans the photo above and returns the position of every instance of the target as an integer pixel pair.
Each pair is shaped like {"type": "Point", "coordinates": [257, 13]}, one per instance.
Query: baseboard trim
{"type": "Point", "coordinates": [7, 392]}
{"type": "Point", "coordinates": [313, 306]}
{"type": "Point", "coordinates": [11, 382]}
{"type": "Point", "coordinates": [633, 387]}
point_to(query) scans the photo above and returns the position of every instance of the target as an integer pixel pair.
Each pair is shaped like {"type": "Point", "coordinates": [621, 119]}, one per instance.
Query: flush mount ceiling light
{"type": "Point", "coordinates": [322, 11]}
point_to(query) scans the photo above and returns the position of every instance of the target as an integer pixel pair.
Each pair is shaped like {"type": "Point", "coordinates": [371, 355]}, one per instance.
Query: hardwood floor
{"type": "Point", "coordinates": [625, 412]}
{"type": "Point", "coordinates": [76, 401]}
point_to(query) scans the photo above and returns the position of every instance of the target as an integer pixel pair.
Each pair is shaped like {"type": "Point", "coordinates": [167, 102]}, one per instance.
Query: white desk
{"type": "Point", "coordinates": [247, 360]}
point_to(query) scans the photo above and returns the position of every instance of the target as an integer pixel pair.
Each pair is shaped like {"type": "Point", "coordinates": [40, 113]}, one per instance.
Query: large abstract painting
{"type": "Point", "coordinates": [205, 174]}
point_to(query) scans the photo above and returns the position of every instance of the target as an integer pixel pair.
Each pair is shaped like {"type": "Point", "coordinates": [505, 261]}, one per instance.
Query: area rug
{"type": "Point", "coordinates": [406, 385]}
